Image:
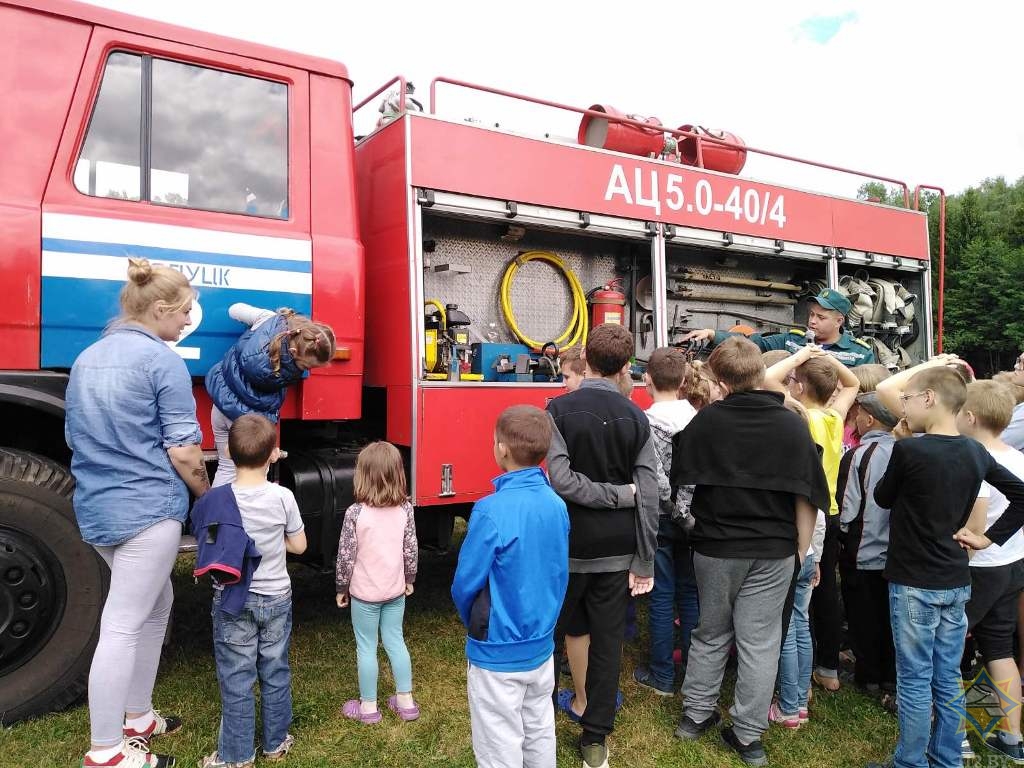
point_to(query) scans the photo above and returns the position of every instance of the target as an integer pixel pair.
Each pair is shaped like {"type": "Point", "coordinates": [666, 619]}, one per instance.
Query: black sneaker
{"type": "Point", "coordinates": [751, 754]}
{"type": "Point", "coordinates": [1015, 752]}
{"type": "Point", "coordinates": [642, 676]}
{"type": "Point", "coordinates": [689, 730]}
{"type": "Point", "coordinates": [162, 725]}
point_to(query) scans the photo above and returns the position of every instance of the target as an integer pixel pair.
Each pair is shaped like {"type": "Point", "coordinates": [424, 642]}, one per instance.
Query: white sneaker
{"type": "Point", "coordinates": [134, 754]}
{"type": "Point", "coordinates": [214, 761]}
{"type": "Point", "coordinates": [282, 750]}
{"type": "Point", "coordinates": [162, 725]}
{"type": "Point", "coordinates": [966, 752]}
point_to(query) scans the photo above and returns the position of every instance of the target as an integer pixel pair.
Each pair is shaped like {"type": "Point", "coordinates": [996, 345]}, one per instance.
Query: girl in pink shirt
{"type": "Point", "coordinates": [375, 572]}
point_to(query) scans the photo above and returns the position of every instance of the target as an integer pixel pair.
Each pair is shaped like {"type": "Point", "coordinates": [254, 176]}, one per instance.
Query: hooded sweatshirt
{"type": "Point", "coordinates": [512, 573]}
{"type": "Point", "coordinates": [668, 418]}
{"type": "Point", "coordinates": [864, 523]}
{"type": "Point", "coordinates": [749, 457]}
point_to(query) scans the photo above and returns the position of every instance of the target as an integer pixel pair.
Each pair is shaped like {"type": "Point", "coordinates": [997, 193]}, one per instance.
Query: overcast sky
{"type": "Point", "coordinates": [924, 92]}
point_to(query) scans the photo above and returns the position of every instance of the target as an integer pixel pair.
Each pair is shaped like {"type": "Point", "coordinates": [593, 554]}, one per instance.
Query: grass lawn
{"type": "Point", "coordinates": [846, 729]}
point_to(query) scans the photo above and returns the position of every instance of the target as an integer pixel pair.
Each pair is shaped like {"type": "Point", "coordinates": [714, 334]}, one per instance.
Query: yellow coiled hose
{"type": "Point", "coordinates": [436, 304]}
{"type": "Point", "coordinates": [576, 331]}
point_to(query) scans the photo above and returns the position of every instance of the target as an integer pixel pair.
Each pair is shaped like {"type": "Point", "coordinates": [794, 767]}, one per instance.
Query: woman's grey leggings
{"type": "Point", "coordinates": [132, 628]}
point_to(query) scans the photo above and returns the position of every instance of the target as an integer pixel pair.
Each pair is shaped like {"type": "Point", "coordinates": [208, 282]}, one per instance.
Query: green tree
{"type": "Point", "coordinates": [984, 272]}
{"type": "Point", "coordinates": [877, 192]}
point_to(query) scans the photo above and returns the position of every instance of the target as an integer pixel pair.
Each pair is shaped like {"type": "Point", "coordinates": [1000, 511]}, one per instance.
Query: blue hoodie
{"type": "Point", "coordinates": [512, 573]}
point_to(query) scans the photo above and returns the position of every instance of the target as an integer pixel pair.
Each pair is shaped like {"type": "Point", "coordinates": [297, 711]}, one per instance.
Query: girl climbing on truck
{"type": "Point", "coordinates": [278, 349]}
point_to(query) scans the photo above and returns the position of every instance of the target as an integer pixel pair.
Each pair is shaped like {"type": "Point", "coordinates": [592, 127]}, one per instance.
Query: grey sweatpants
{"type": "Point", "coordinates": [741, 601]}
{"type": "Point", "coordinates": [511, 716]}
{"type": "Point", "coordinates": [132, 628]}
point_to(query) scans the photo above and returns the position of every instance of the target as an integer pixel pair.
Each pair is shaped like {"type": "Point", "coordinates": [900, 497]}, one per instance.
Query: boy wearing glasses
{"type": "Point", "coordinates": [931, 486]}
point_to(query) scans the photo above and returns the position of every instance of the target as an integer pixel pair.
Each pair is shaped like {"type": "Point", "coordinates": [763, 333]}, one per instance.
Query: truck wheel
{"type": "Point", "coordinates": [52, 587]}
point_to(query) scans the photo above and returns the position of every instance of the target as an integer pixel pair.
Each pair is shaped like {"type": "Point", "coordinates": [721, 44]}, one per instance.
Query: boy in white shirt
{"type": "Point", "coordinates": [675, 587]}
{"type": "Point", "coordinates": [997, 573]}
{"type": "Point", "coordinates": [252, 644]}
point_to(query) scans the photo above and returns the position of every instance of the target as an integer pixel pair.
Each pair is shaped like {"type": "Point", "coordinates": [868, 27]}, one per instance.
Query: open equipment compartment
{"type": "Point", "coordinates": [891, 298]}
{"type": "Point", "coordinates": [465, 263]}
{"type": "Point", "coordinates": [735, 289]}
{"type": "Point", "coordinates": [465, 245]}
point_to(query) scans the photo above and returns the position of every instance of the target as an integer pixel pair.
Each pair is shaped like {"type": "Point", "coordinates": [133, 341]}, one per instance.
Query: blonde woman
{"type": "Point", "coordinates": [131, 425]}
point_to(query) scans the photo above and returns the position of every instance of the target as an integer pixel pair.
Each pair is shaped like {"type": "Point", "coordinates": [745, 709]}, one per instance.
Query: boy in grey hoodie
{"type": "Point", "coordinates": [864, 544]}
{"type": "Point", "coordinates": [674, 582]}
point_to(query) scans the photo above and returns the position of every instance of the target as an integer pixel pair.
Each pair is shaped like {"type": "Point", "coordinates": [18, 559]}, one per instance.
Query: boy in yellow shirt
{"type": "Point", "coordinates": [827, 389]}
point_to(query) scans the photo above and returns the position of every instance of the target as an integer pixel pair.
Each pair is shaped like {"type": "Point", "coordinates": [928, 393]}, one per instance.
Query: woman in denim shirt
{"type": "Point", "coordinates": [131, 425]}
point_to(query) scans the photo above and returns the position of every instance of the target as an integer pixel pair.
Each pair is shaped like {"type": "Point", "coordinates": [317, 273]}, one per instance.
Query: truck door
{"type": "Point", "coordinates": [188, 158]}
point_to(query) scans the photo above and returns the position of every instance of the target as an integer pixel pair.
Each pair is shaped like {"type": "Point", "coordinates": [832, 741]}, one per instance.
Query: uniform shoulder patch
{"type": "Point", "coordinates": [798, 331]}
{"type": "Point", "coordinates": [863, 342]}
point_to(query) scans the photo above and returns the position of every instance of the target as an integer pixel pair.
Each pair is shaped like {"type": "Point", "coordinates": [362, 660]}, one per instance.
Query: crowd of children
{"type": "Point", "coordinates": [763, 502]}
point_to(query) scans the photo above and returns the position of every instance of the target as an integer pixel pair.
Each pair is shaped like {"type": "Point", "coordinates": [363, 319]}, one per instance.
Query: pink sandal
{"type": "Point", "coordinates": [405, 713]}
{"type": "Point", "coordinates": [353, 711]}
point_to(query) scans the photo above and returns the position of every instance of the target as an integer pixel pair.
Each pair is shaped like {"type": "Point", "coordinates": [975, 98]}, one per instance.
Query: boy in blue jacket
{"type": "Point", "coordinates": [508, 587]}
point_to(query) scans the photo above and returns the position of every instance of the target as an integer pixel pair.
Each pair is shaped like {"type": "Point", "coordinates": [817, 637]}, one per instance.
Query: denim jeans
{"type": "Point", "coordinates": [797, 654]}
{"type": "Point", "coordinates": [367, 620]}
{"type": "Point", "coordinates": [674, 588]}
{"type": "Point", "coordinates": [247, 647]}
{"type": "Point", "coordinates": [928, 628]}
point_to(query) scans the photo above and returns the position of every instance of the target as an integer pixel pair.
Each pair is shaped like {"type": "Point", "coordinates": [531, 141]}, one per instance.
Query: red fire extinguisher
{"type": "Point", "coordinates": [606, 304]}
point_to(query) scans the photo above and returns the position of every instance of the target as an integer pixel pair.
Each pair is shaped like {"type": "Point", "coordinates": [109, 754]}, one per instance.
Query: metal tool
{"type": "Point", "coordinates": [733, 298]}
{"type": "Point", "coordinates": [715, 278]}
{"type": "Point", "coordinates": [738, 315]}
{"type": "Point", "coordinates": [646, 326]}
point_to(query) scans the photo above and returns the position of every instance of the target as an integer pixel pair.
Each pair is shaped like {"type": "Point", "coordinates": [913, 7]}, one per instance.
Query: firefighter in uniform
{"type": "Point", "coordinates": [825, 319]}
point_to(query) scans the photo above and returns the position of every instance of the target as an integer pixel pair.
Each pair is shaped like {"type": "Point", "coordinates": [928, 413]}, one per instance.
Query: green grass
{"type": "Point", "coordinates": [847, 729]}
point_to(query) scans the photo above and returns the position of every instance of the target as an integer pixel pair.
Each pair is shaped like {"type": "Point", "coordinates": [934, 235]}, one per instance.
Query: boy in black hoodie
{"type": "Point", "coordinates": [602, 462]}
{"type": "Point", "coordinates": [759, 484]}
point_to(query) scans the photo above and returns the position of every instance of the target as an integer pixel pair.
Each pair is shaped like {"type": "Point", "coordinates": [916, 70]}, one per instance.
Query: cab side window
{"type": "Point", "coordinates": [177, 134]}
{"type": "Point", "coordinates": [109, 165]}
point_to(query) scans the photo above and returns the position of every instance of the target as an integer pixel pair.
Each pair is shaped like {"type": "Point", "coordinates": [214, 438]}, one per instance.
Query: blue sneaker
{"type": "Point", "coordinates": [642, 676]}
{"type": "Point", "coordinates": [566, 696]}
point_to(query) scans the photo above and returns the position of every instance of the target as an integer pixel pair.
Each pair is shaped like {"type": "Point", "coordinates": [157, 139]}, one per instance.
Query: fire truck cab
{"type": "Point", "coordinates": [229, 161]}
{"type": "Point", "coordinates": [453, 260]}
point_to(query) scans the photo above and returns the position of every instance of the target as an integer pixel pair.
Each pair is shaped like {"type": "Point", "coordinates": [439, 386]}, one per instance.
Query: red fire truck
{"type": "Point", "coordinates": [453, 260]}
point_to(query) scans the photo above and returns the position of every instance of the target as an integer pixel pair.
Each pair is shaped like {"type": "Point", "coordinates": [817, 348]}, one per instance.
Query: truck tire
{"type": "Point", "coordinates": [52, 588]}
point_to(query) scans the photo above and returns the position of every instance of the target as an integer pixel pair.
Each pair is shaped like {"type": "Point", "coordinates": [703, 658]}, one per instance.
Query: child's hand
{"type": "Point", "coordinates": [408, 589]}
{"type": "Point", "coordinates": [341, 599]}
{"type": "Point", "coordinates": [902, 430]}
{"type": "Point", "coordinates": [805, 353]}
{"type": "Point", "coordinates": [640, 585]}
{"type": "Point", "coordinates": [816, 578]}
{"type": "Point", "coordinates": [968, 539]}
